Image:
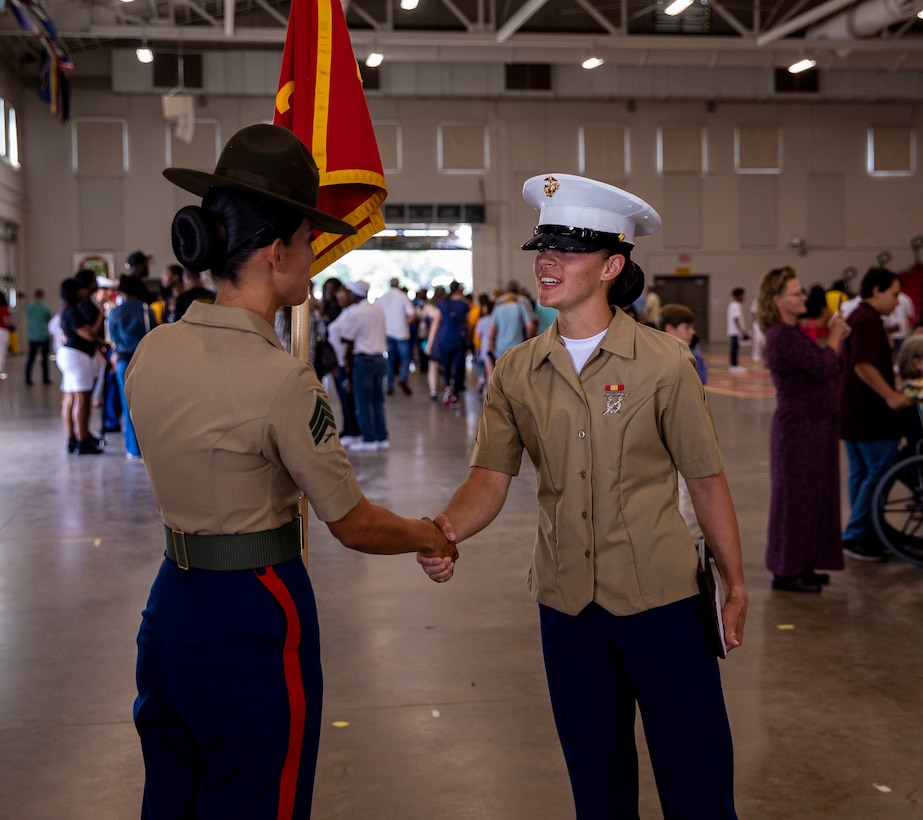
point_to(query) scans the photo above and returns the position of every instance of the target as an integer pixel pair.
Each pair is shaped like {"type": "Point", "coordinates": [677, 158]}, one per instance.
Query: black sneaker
{"type": "Point", "coordinates": [862, 551]}
{"type": "Point", "coordinates": [87, 447]}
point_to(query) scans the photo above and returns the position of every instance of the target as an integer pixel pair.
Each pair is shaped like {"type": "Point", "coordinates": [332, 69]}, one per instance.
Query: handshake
{"type": "Point", "coordinates": [438, 562]}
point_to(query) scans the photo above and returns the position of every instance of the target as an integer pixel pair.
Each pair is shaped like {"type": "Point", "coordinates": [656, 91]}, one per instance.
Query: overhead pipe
{"type": "Point", "coordinates": [863, 20]}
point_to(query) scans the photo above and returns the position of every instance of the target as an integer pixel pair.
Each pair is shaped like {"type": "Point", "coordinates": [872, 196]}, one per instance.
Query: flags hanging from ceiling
{"type": "Point", "coordinates": [54, 88]}
{"type": "Point", "coordinates": [321, 99]}
{"type": "Point", "coordinates": [56, 64]}
{"type": "Point", "coordinates": [32, 17]}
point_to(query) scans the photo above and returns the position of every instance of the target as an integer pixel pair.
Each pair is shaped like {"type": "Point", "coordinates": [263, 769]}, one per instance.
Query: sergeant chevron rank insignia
{"type": "Point", "coordinates": [323, 425]}
{"type": "Point", "coordinates": [615, 394]}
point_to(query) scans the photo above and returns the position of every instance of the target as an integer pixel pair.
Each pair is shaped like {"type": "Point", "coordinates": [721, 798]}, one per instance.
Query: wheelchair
{"type": "Point", "coordinates": [897, 506]}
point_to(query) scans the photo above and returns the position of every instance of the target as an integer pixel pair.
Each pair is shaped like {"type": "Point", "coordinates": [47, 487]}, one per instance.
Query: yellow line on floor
{"type": "Point", "coordinates": [94, 541]}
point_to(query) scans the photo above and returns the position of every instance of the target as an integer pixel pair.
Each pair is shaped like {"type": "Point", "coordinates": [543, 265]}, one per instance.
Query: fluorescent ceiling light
{"type": "Point", "coordinates": [409, 5]}
{"type": "Point", "coordinates": [374, 59]}
{"type": "Point", "coordinates": [801, 65]}
{"type": "Point", "coordinates": [144, 55]}
{"type": "Point", "coordinates": [414, 232]}
{"type": "Point", "coordinates": [677, 7]}
{"type": "Point", "coordinates": [592, 62]}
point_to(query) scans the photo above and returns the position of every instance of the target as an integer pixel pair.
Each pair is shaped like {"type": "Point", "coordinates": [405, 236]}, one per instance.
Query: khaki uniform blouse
{"type": "Point", "coordinates": [606, 446]}
{"type": "Point", "coordinates": [233, 428]}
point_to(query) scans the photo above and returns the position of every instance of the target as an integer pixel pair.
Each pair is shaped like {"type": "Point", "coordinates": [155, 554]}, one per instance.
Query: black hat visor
{"type": "Point", "coordinates": [571, 240]}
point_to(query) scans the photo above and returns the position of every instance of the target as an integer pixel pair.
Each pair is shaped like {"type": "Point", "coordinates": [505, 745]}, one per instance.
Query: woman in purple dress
{"type": "Point", "coordinates": [804, 510]}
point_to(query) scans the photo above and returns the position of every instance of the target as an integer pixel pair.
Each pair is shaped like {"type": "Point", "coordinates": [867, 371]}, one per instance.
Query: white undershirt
{"type": "Point", "coordinates": [581, 349]}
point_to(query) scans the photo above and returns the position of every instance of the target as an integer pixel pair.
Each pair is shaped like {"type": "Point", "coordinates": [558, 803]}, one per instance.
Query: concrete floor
{"type": "Point", "coordinates": [440, 687]}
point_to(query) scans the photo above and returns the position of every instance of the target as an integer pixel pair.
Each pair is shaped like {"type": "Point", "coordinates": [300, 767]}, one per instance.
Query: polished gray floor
{"type": "Point", "coordinates": [435, 706]}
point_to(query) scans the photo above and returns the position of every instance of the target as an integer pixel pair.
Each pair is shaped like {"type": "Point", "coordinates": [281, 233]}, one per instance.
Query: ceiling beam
{"type": "Point", "coordinates": [478, 46]}
{"type": "Point", "coordinates": [802, 21]}
{"type": "Point", "coordinates": [595, 13]}
{"type": "Point", "coordinates": [511, 26]}
{"type": "Point", "coordinates": [280, 18]}
{"type": "Point", "coordinates": [729, 18]}
{"type": "Point", "coordinates": [459, 14]}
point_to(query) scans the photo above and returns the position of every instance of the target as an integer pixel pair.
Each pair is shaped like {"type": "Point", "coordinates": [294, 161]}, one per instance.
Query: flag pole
{"type": "Point", "coordinates": [301, 327]}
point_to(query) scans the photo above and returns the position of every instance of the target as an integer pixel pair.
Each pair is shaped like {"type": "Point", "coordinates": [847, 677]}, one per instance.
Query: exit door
{"type": "Point", "coordinates": [691, 291]}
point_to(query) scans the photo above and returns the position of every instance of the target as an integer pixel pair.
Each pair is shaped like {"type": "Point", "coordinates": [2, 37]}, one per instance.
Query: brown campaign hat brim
{"type": "Point", "coordinates": [270, 162]}
{"type": "Point", "coordinates": [200, 182]}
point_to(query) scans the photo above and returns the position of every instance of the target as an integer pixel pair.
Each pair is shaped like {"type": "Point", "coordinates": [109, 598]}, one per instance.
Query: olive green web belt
{"type": "Point", "coordinates": [247, 550]}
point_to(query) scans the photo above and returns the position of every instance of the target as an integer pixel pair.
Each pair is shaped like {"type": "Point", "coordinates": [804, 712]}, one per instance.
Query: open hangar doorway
{"type": "Point", "coordinates": [421, 256]}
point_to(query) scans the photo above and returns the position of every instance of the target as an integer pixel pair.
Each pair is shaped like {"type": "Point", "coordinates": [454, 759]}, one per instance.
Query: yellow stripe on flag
{"type": "Point", "coordinates": [321, 99]}
{"type": "Point", "coordinates": [322, 90]}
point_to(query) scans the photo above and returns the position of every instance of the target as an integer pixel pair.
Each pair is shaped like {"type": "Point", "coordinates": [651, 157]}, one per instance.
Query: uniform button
{"type": "Point", "coordinates": [587, 554]}
{"type": "Point", "coordinates": [584, 513]}
{"type": "Point", "coordinates": [581, 434]}
{"type": "Point", "coordinates": [583, 474]}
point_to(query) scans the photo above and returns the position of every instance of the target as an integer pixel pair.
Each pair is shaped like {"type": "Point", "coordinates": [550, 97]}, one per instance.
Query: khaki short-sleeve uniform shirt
{"type": "Point", "coordinates": [605, 446]}
{"type": "Point", "coordinates": [232, 428]}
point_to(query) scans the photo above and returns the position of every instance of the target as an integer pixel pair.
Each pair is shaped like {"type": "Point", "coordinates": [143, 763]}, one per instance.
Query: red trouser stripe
{"type": "Point", "coordinates": [293, 683]}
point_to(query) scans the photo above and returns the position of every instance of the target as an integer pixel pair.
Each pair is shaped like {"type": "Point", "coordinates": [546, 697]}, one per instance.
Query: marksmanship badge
{"type": "Point", "coordinates": [551, 186]}
{"type": "Point", "coordinates": [615, 395]}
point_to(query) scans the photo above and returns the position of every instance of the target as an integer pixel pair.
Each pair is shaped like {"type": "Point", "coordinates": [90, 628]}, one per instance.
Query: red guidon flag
{"type": "Point", "coordinates": [321, 99]}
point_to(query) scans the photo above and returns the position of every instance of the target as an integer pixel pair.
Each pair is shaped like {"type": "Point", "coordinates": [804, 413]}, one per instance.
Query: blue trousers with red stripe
{"type": "Point", "coordinates": [229, 694]}
{"type": "Point", "coordinates": [599, 666]}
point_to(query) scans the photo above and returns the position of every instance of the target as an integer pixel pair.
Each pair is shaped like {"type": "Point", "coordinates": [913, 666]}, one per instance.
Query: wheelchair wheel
{"type": "Point", "coordinates": [897, 509]}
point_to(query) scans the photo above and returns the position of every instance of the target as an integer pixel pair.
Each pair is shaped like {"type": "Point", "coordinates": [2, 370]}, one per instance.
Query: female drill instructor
{"type": "Point", "coordinates": [608, 410]}
{"type": "Point", "coordinates": [233, 430]}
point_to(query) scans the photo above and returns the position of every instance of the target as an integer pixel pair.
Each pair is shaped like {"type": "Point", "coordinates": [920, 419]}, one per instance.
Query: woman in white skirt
{"type": "Point", "coordinates": [79, 362]}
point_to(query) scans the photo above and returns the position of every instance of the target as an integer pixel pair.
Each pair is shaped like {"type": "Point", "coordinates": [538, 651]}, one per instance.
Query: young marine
{"type": "Point", "coordinates": [608, 410]}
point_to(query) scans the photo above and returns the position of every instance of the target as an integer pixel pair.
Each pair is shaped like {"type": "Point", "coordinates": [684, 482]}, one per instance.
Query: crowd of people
{"type": "Point", "coordinates": [835, 360]}
{"type": "Point", "coordinates": [93, 335]}
{"type": "Point", "coordinates": [379, 343]}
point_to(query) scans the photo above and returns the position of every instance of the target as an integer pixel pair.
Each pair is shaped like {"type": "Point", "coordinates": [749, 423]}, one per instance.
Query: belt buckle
{"type": "Point", "coordinates": [184, 563]}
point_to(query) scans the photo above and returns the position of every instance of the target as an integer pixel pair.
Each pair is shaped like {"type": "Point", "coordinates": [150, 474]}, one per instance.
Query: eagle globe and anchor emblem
{"type": "Point", "coordinates": [551, 186]}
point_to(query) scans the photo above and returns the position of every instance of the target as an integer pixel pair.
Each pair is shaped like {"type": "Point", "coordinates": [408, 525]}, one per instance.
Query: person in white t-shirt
{"type": "Point", "coordinates": [399, 312]}
{"type": "Point", "coordinates": [736, 329]}
{"type": "Point", "coordinates": [899, 321]}
{"type": "Point", "coordinates": [362, 330]}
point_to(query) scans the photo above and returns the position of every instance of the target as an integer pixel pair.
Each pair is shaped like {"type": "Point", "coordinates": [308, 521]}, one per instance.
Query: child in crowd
{"type": "Point", "coordinates": [679, 321]}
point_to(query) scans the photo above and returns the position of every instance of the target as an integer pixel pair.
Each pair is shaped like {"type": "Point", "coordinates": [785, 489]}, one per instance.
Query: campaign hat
{"type": "Point", "coordinates": [581, 215]}
{"type": "Point", "coordinates": [268, 161]}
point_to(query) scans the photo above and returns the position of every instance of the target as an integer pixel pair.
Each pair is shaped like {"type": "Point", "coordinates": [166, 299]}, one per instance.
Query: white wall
{"type": "Point", "coordinates": [526, 137]}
